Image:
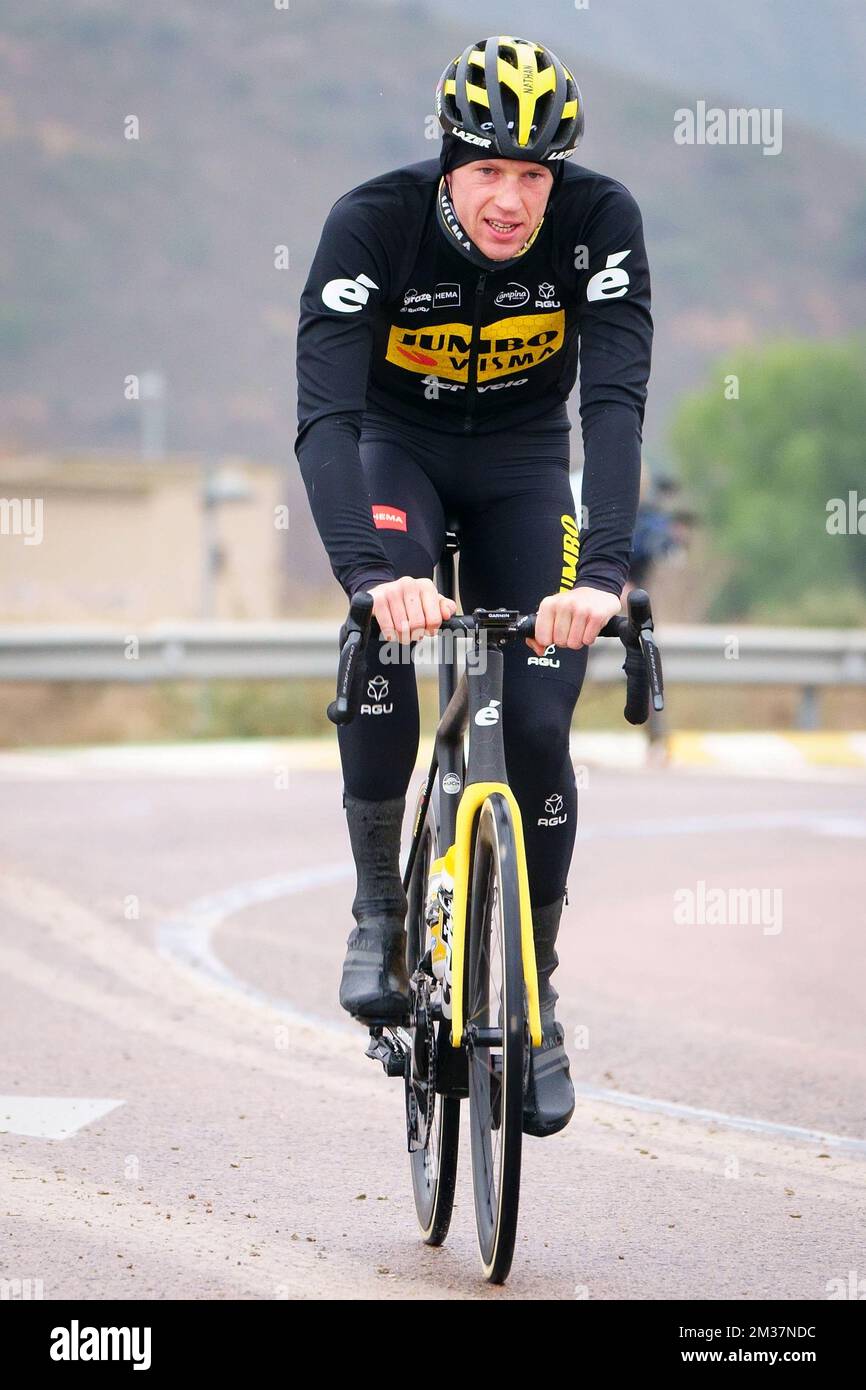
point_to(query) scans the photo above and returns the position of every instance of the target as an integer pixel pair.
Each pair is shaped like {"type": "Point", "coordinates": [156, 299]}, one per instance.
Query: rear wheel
{"type": "Point", "coordinates": [433, 1120]}
{"type": "Point", "coordinates": [495, 1035]}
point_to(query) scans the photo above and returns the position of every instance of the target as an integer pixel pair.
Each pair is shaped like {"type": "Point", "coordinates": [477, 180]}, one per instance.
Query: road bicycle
{"type": "Point", "coordinates": [474, 1008]}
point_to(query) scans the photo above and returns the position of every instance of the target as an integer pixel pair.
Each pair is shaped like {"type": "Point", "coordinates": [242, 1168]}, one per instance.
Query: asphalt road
{"type": "Point", "coordinates": [171, 947]}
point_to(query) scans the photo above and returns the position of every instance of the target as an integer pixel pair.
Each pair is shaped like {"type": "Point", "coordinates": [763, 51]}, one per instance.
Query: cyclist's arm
{"type": "Point", "coordinates": [615, 351]}
{"type": "Point", "coordinates": [335, 335]}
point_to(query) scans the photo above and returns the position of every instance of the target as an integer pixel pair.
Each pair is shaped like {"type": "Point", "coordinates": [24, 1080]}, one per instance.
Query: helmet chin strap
{"type": "Point", "coordinates": [455, 232]}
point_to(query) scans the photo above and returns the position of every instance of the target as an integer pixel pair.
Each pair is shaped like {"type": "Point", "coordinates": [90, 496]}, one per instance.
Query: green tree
{"type": "Point", "coordinates": [764, 466]}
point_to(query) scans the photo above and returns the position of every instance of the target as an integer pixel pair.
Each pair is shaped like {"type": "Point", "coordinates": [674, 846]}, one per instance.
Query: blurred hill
{"type": "Point", "coordinates": [122, 255]}
{"type": "Point", "coordinates": [807, 58]}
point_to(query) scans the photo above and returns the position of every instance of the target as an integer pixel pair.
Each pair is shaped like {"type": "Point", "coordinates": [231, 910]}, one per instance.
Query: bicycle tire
{"type": "Point", "coordinates": [433, 1167]}
{"type": "Point", "coordinates": [495, 1000]}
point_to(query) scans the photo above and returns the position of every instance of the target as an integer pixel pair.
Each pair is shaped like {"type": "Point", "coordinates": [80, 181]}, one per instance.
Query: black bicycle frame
{"type": "Point", "coordinates": [475, 698]}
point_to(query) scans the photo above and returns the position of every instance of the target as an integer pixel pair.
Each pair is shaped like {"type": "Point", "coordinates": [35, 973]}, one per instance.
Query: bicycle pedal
{"type": "Point", "coordinates": [388, 1051]}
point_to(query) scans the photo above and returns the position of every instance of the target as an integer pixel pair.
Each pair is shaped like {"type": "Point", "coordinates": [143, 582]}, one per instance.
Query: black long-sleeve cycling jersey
{"type": "Point", "coordinates": [395, 316]}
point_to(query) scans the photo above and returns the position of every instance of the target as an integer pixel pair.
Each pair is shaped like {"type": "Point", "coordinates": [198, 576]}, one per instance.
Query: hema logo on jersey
{"type": "Point", "coordinates": [388, 518]}
{"type": "Point", "coordinates": [446, 295]}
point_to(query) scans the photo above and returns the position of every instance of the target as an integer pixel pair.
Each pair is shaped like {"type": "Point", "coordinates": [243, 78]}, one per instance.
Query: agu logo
{"type": "Point", "coordinates": [546, 660]}
{"type": "Point", "coordinates": [553, 807]}
{"type": "Point", "coordinates": [377, 692]}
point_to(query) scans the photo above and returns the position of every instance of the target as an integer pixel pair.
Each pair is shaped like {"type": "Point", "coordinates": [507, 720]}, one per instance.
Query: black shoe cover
{"type": "Point", "coordinates": [549, 1102]}
{"type": "Point", "coordinates": [375, 983]}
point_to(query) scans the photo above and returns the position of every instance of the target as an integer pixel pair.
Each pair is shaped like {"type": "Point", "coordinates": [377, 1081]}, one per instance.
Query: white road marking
{"type": "Point", "coordinates": [813, 822]}
{"type": "Point", "coordinates": [50, 1117]}
{"type": "Point", "coordinates": [850, 827]}
{"type": "Point", "coordinates": [717, 1117]}
{"type": "Point", "coordinates": [186, 939]}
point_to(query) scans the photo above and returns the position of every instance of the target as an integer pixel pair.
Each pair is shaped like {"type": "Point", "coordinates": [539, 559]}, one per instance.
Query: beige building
{"type": "Point", "coordinates": [105, 538]}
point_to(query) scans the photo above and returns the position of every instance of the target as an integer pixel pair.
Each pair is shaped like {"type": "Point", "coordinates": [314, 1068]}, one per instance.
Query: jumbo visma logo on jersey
{"type": "Point", "coordinates": [507, 346]}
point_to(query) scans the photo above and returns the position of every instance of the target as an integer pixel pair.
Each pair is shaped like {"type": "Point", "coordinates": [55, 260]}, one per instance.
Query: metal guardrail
{"type": "Point", "coordinates": [804, 657]}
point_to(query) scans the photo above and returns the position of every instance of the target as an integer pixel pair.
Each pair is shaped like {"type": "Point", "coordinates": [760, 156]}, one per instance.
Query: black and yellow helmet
{"type": "Point", "coordinates": [512, 97]}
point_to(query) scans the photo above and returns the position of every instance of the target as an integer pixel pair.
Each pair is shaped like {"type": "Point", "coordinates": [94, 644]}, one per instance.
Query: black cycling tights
{"type": "Point", "coordinates": [511, 496]}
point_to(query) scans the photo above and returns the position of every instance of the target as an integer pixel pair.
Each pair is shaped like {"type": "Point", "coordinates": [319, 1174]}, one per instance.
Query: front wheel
{"type": "Point", "coordinates": [495, 1035]}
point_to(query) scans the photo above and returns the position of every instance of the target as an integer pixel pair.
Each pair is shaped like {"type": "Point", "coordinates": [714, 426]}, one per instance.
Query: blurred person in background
{"type": "Point", "coordinates": [662, 529]}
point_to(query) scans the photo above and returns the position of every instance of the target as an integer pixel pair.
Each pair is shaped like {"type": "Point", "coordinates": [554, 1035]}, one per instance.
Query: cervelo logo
{"type": "Point", "coordinates": [377, 690]}
{"type": "Point", "coordinates": [348, 296]}
{"type": "Point", "coordinates": [488, 714]}
{"type": "Point", "coordinates": [553, 807]}
{"type": "Point", "coordinates": [434, 385]}
{"type": "Point", "coordinates": [545, 660]}
{"type": "Point", "coordinates": [388, 518]}
{"type": "Point", "coordinates": [512, 296]}
{"type": "Point", "coordinates": [609, 283]}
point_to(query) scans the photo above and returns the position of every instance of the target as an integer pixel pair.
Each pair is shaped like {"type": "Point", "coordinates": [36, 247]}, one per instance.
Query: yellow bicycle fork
{"type": "Point", "coordinates": [473, 798]}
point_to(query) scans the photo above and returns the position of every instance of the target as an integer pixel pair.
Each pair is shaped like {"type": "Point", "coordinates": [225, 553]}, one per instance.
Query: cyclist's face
{"type": "Point", "coordinates": [500, 202]}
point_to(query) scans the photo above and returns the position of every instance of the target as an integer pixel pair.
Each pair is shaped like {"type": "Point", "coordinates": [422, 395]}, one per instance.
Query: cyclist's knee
{"type": "Point", "coordinates": [537, 739]}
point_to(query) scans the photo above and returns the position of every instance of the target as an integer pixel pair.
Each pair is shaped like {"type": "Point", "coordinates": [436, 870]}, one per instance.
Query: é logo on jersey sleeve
{"type": "Point", "coordinates": [348, 296]}
{"type": "Point", "coordinates": [609, 283]}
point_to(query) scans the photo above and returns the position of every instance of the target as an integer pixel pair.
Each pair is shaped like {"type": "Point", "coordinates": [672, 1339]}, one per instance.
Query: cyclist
{"type": "Point", "coordinates": [437, 347]}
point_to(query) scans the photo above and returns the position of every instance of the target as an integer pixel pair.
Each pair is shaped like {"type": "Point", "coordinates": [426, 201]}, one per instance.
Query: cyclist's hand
{"type": "Point", "coordinates": [407, 608]}
{"type": "Point", "coordinates": [573, 619]}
